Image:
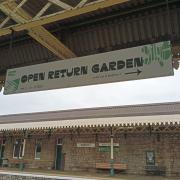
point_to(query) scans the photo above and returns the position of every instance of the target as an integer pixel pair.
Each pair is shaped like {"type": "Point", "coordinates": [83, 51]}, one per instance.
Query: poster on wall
{"type": "Point", "coordinates": [150, 157]}
{"type": "Point", "coordinates": [147, 61]}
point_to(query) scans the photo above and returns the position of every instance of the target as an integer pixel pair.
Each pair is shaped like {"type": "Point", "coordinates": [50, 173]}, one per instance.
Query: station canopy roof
{"type": "Point", "coordinates": [39, 31]}
{"type": "Point", "coordinates": [136, 115]}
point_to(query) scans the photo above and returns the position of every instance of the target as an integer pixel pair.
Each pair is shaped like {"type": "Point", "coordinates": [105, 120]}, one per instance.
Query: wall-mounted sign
{"type": "Point", "coordinates": [87, 145]}
{"type": "Point", "coordinates": [108, 144]}
{"type": "Point", "coordinates": [108, 149]}
{"type": "Point", "coordinates": [148, 61]}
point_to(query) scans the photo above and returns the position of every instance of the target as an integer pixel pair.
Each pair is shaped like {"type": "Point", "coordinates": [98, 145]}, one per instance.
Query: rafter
{"type": "Point", "coordinates": [39, 33]}
{"type": "Point", "coordinates": [82, 3]}
{"type": "Point", "coordinates": [43, 10]}
{"type": "Point", "coordinates": [61, 4]}
{"type": "Point", "coordinates": [81, 8]}
{"type": "Point", "coordinates": [14, 10]}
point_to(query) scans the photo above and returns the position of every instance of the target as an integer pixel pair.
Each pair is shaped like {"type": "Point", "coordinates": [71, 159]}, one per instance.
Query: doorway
{"type": "Point", "coordinates": [2, 149]}
{"type": "Point", "coordinates": [59, 155]}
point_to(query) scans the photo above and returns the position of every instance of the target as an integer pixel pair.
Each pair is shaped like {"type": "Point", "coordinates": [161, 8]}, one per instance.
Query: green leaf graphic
{"type": "Point", "coordinates": [158, 53]}
{"type": "Point", "coordinates": [12, 85]}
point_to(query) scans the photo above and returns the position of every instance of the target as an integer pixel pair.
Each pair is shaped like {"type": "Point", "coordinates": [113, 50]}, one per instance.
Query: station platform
{"type": "Point", "coordinates": [56, 175]}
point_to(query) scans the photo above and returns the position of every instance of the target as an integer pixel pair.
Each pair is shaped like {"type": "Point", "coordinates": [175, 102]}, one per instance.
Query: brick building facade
{"type": "Point", "coordinates": [146, 139]}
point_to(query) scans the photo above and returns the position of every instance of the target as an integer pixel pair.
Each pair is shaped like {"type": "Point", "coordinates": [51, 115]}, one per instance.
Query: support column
{"type": "Point", "coordinates": [112, 156]}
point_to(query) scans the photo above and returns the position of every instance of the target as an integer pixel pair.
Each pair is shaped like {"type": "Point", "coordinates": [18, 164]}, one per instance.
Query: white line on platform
{"type": "Point", "coordinates": [43, 176]}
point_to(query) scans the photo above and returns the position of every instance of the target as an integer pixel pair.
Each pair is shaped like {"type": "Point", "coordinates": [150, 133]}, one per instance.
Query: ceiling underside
{"type": "Point", "coordinates": [119, 26]}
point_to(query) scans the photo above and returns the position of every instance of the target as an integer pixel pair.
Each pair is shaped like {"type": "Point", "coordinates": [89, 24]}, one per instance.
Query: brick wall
{"type": "Point", "coordinates": [47, 154]}
{"type": "Point", "coordinates": [132, 151]}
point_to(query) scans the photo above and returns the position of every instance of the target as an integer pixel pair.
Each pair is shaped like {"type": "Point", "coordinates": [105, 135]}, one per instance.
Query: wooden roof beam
{"type": "Point", "coordinates": [8, 18]}
{"type": "Point", "coordinates": [39, 33]}
{"type": "Point", "coordinates": [61, 4]}
{"type": "Point", "coordinates": [42, 11]}
{"type": "Point", "coordinates": [82, 3]}
{"type": "Point", "coordinates": [61, 15]}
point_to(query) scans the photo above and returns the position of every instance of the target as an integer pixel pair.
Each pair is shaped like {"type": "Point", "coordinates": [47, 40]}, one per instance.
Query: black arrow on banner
{"type": "Point", "coordinates": [136, 72]}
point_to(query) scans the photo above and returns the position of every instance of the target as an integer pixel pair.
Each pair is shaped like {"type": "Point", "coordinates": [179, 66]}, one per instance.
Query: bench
{"type": "Point", "coordinates": [116, 166]}
{"type": "Point", "coordinates": [17, 163]}
{"type": "Point", "coordinates": [155, 170]}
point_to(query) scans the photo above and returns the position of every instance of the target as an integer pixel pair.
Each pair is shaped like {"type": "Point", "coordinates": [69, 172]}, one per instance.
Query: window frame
{"type": "Point", "coordinates": [20, 155]}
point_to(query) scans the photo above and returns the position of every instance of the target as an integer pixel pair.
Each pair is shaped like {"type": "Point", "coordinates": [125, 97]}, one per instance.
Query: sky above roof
{"type": "Point", "coordinates": [156, 90]}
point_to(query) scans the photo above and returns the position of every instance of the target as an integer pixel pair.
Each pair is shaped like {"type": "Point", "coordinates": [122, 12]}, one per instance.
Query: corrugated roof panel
{"type": "Point", "coordinates": [115, 34]}
{"type": "Point", "coordinates": [161, 26]}
{"type": "Point", "coordinates": [155, 27]}
{"type": "Point", "coordinates": [175, 25]}
{"type": "Point", "coordinates": [100, 37]}
{"type": "Point", "coordinates": [95, 38]}
{"type": "Point", "coordinates": [25, 54]}
{"type": "Point", "coordinates": [111, 34]}
{"type": "Point", "coordinates": [105, 35]}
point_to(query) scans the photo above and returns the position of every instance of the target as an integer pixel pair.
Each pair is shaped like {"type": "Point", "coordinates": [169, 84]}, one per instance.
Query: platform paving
{"type": "Point", "coordinates": [79, 175]}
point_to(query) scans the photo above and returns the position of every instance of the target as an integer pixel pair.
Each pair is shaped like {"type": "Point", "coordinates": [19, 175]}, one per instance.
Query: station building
{"type": "Point", "coordinates": [146, 139]}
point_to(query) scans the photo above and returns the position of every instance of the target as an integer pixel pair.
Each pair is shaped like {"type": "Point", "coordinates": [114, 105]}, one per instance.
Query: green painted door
{"type": "Point", "coordinates": [2, 147]}
{"type": "Point", "coordinates": [58, 157]}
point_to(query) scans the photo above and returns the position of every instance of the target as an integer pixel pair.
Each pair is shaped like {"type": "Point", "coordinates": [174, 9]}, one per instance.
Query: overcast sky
{"type": "Point", "coordinates": [165, 89]}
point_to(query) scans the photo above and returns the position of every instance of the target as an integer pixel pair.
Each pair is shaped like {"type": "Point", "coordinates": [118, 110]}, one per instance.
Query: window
{"type": "Point", "coordinates": [150, 157]}
{"type": "Point", "coordinates": [38, 149]}
{"type": "Point", "coordinates": [59, 141]}
{"type": "Point", "coordinates": [18, 148]}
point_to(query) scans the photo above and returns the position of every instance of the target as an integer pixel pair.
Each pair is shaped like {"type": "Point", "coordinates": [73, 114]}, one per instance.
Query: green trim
{"type": "Point", "coordinates": [108, 149]}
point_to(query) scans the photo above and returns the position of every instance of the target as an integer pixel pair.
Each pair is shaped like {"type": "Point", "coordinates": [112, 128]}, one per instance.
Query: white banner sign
{"type": "Point", "coordinates": [148, 61]}
{"type": "Point", "coordinates": [88, 145]}
{"type": "Point", "coordinates": [108, 144]}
